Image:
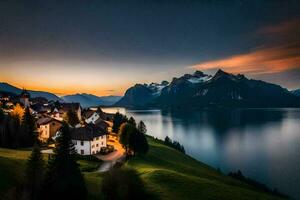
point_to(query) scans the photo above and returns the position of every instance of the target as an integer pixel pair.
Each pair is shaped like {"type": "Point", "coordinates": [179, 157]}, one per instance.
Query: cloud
{"type": "Point", "coordinates": [279, 52]}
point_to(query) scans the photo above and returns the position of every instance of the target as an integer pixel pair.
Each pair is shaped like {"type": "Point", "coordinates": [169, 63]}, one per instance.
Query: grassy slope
{"type": "Point", "coordinates": [166, 172]}
{"type": "Point", "coordinates": [173, 175]}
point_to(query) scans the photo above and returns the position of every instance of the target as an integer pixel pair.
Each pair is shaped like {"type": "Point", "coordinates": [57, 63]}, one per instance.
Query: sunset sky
{"type": "Point", "coordinates": [104, 47]}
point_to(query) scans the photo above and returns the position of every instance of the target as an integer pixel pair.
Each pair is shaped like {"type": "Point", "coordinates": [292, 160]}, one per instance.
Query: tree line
{"type": "Point", "coordinates": [174, 144]}
{"type": "Point", "coordinates": [18, 128]}
{"type": "Point", "coordinates": [131, 135]}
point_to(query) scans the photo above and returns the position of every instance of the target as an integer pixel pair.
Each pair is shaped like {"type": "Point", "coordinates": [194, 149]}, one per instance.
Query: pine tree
{"type": "Point", "coordinates": [138, 142]}
{"type": "Point", "coordinates": [34, 174]}
{"type": "Point", "coordinates": [64, 179]}
{"type": "Point", "coordinates": [119, 119]}
{"type": "Point", "coordinates": [132, 121]}
{"type": "Point", "coordinates": [29, 128]}
{"type": "Point", "coordinates": [142, 127]}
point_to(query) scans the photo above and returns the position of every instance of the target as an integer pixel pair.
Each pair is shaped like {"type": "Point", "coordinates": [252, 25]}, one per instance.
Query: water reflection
{"type": "Point", "coordinates": [263, 143]}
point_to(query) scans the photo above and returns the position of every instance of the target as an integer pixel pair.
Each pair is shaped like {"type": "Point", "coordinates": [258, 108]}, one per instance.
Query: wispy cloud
{"type": "Point", "coordinates": [279, 52]}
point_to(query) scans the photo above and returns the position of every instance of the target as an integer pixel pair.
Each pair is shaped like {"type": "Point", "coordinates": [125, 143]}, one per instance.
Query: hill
{"type": "Point", "coordinates": [5, 87]}
{"type": "Point", "coordinates": [88, 100]}
{"type": "Point", "coordinates": [167, 173]}
{"type": "Point", "coordinates": [199, 90]}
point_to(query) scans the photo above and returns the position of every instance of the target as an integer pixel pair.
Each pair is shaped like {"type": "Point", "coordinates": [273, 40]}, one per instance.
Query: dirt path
{"type": "Point", "coordinates": [111, 159]}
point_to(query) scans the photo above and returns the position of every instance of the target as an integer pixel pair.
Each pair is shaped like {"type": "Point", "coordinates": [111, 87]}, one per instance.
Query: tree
{"type": "Point", "coordinates": [125, 131]}
{"type": "Point", "coordinates": [2, 116]}
{"type": "Point", "coordinates": [142, 127]}
{"type": "Point", "coordinates": [123, 183]}
{"type": "Point", "coordinates": [29, 128]}
{"type": "Point", "coordinates": [119, 119]}
{"type": "Point", "coordinates": [168, 140]}
{"type": "Point", "coordinates": [72, 118]}
{"type": "Point", "coordinates": [34, 174]}
{"type": "Point", "coordinates": [138, 142]}
{"type": "Point", "coordinates": [14, 131]}
{"type": "Point", "coordinates": [131, 138]}
{"type": "Point", "coordinates": [17, 111]}
{"type": "Point", "coordinates": [174, 144]}
{"type": "Point", "coordinates": [132, 121]}
{"type": "Point", "coordinates": [64, 179]}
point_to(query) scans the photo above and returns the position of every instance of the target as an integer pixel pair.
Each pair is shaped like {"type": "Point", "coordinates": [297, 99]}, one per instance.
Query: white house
{"type": "Point", "coordinates": [89, 139]}
{"type": "Point", "coordinates": [48, 127]}
{"type": "Point", "coordinates": [91, 116]}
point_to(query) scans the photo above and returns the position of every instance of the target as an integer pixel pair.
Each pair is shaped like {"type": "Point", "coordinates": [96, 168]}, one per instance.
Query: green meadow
{"type": "Point", "coordinates": [167, 174]}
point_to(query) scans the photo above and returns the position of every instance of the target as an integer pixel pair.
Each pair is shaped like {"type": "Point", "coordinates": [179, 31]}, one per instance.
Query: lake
{"type": "Point", "coordinates": [263, 143]}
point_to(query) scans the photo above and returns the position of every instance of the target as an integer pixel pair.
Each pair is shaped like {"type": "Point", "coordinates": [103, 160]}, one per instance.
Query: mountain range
{"type": "Point", "coordinates": [86, 100]}
{"type": "Point", "coordinates": [200, 90]}
{"type": "Point", "coordinates": [5, 87]}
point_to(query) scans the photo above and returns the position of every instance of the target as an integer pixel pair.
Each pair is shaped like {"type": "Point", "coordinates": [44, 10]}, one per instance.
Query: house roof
{"type": "Point", "coordinates": [88, 113]}
{"type": "Point", "coordinates": [70, 106]}
{"type": "Point", "coordinates": [87, 133]}
{"type": "Point", "coordinates": [46, 120]}
{"type": "Point", "coordinates": [39, 107]}
{"type": "Point", "coordinates": [100, 122]}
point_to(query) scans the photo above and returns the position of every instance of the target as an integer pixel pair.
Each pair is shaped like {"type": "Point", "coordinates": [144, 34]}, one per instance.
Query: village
{"type": "Point", "coordinates": [91, 128]}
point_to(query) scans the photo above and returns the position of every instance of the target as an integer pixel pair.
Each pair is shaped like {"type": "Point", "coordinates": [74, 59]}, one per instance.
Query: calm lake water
{"type": "Point", "coordinates": [263, 143]}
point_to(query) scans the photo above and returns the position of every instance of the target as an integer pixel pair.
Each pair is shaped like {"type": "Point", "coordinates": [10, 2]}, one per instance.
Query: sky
{"type": "Point", "coordinates": [104, 47]}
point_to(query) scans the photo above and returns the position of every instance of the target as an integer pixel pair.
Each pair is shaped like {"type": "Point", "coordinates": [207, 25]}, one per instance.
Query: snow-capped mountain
{"type": "Point", "coordinates": [141, 94]}
{"type": "Point", "coordinates": [202, 90]}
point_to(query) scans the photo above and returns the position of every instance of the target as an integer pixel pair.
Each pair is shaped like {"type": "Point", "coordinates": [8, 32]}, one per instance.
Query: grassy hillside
{"type": "Point", "coordinates": [167, 173]}
{"type": "Point", "coordinates": [173, 175]}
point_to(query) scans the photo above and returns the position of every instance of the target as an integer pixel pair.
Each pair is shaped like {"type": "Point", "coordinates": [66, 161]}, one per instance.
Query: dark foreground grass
{"type": "Point", "coordinates": [167, 173]}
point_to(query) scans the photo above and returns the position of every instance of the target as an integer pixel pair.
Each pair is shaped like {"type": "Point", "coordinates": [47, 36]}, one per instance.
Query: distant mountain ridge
{"type": "Point", "coordinates": [200, 90]}
{"type": "Point", "coordinates": [88, 100]}
{"type": "Point", "coordinates": [5, 87]}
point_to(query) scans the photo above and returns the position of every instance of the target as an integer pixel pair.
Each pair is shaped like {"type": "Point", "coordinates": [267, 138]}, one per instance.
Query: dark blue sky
{"type": "Point", "coordinates": [163, 37]}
